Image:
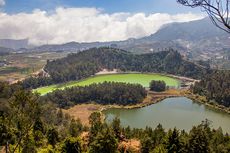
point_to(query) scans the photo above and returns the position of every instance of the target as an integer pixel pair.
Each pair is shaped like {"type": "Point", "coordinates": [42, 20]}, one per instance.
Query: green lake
{"type": "Point", "coordinates": [178, 112]}
{"type": "Point", "coordinates": [134, 78]}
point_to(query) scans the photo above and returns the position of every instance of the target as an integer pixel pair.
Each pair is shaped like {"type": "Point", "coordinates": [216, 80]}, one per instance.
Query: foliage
{"type": "Point", "coordinates": [38, 124]}
{"type": "Point", "coordinates": [198, 140]}
{"type": "Point", "coordinates": [215, 86]}
{"type": "Point", "coordinates": [102, 93]}
{"type": "Point", "coordinates": [105, 142]}
{"type": "Point", "coordinates": [27, 108]}
{"type": "Point", "coordinates": [24, 119]}
{"type": "Point", "coordinates": [173, 144]}
{"type": "Point", "coordinates": [116, 127]}
{"type": "Point", "coordinates": [75, 128]}
{"type": "Point", "coordinates": [157, 86]}
{"type": "Point", "coordinates": [72, 145]}
{"type": "Point", "coordinates": [35, 82]}
{"type": "Point", "coordinates": [87, 63]}
{"type": "Point", "coordinates": [95, 121]}
{"type": "Point", "coordinates": [52, 136]}
{"type": "Point", "coordinates": [29, 145]}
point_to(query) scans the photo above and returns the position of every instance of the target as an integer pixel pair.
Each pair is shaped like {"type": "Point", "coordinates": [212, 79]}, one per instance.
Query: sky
{"type": "Point", "coordinates": [60, 21]}
{"type": "Point", "coordinates": [109, 6]}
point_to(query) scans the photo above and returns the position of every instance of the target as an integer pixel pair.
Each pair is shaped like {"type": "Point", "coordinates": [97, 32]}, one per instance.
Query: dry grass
{"type": "Point", "coordinates": [170, 92]}
{"type": "Point", "coordinates": [83, 111]}
{"type": "Point", "coordinates": [133, 145]}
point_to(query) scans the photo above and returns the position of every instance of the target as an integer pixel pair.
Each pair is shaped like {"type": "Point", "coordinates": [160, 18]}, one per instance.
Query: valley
{"type": "Point", "coordinates": [22, 65]}
{"type": "Point", "coordinates": [114, 76]}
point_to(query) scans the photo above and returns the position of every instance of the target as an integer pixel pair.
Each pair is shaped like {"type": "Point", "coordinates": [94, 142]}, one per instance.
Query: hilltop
{"type": "Point", "coordinates": [89, 62]}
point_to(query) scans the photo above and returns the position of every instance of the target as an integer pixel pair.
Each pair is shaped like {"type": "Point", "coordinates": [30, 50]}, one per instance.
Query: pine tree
{"type": "Point", "coordinates": [198, 140]}
{"type": "Point", "coordinates": [173, 144]}
{"type": "Point", "coordinates": [105, 142]}
{"type": "Point", "coordinates": [72, 145]}
{"type": "Point", "coordinates": [116, 127]}
{"type": "Point", "coordinates": [146, 144]}
{"type": "Point", "coordinates": [96, 124]}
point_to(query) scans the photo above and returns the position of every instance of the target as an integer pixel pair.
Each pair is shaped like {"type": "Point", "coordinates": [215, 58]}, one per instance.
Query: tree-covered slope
{"type": "Point", "coordinates": [215, 86]}
{"type": "Point", "coordinates": [87, 63]}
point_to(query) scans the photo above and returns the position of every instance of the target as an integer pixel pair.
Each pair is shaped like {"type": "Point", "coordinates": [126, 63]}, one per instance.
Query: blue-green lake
{"type": "Point", "coordinates": [178, 112]}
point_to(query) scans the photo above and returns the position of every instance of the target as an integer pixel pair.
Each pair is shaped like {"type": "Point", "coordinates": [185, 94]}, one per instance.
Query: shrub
{"type": "Point", "coordinates": [157, 86]}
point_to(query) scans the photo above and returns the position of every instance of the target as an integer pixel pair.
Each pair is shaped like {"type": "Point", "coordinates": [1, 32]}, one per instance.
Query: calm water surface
{"type": "Point", "coordinates": [178, 112]}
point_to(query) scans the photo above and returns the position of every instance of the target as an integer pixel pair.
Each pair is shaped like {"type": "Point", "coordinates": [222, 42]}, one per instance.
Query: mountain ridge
{"type": "Point", "coordinates": [194, 36]}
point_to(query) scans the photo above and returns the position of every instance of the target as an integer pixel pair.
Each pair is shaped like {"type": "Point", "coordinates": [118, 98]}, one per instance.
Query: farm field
{"type": "Point", "coordinates": [134, 78]}
{"type": "Point", "coordinates": [22, 65]}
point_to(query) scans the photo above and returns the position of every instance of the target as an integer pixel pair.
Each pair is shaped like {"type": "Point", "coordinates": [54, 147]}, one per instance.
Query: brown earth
{"type": "Point", "coordinates": [83, 111]}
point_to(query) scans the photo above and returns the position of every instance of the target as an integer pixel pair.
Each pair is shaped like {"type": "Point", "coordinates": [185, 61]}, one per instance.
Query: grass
{"type": "Point", "coordinates": [137, 78]}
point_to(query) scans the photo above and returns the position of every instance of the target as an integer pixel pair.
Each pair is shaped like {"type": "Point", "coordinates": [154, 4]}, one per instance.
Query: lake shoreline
{"type": "Point", "coordinates": [204, 101]}
{"type": "Point", "coordinates": [84, 110]}
{"type": "Point", "coordinates": [171, 112]}
{"type": "Point", "coordinates": [152, 98]}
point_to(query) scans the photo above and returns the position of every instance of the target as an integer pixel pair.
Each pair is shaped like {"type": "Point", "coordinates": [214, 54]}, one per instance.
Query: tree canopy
{"type": "Point", "coordinates": [157, 86]}
{"type": "Point", "coordinates": [215, 86]}
{"type": "Point", "coordinates": [40, 127]}
{"type": "Point", "coordinates": [102, 93]}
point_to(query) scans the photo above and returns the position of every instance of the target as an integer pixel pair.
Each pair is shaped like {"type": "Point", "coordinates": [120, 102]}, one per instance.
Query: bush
{"type": "Point", "coordinates": [157, 86]}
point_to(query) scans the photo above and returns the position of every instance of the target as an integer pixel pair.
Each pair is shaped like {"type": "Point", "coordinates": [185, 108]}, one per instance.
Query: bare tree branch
{"type": "Point", "coordinates": [217, 10]}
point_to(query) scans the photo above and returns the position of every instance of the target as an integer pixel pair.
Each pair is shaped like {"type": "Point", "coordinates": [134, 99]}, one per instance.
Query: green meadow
{"type": "Point", "coordinates": [137, 78]}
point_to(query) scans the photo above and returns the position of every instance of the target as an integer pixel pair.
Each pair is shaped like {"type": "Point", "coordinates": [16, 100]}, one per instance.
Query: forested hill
{"type": "Point", "coordinates": [215, 86]}
{"type": "Point", "coordinates": [87, 63]}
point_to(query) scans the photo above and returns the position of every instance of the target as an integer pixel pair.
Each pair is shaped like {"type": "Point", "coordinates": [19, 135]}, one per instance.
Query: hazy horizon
{"type": "Point", "coordinates": [58, 21]}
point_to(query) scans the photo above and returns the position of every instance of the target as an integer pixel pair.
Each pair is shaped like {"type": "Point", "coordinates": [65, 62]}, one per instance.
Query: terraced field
{"type": "Point", "coordinates": [137, 78]}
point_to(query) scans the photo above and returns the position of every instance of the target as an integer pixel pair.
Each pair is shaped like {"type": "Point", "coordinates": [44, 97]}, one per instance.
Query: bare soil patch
{"type": "Point", "coordinates": [83, 111]}
{"type": "Point", "coordinates": [106, 71]}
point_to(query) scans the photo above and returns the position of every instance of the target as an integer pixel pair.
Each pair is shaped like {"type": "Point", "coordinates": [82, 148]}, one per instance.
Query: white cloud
{"type": "Point", "coordinates": [83, 25]}
{"type": "Point", "coordinates": [2, 2]}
